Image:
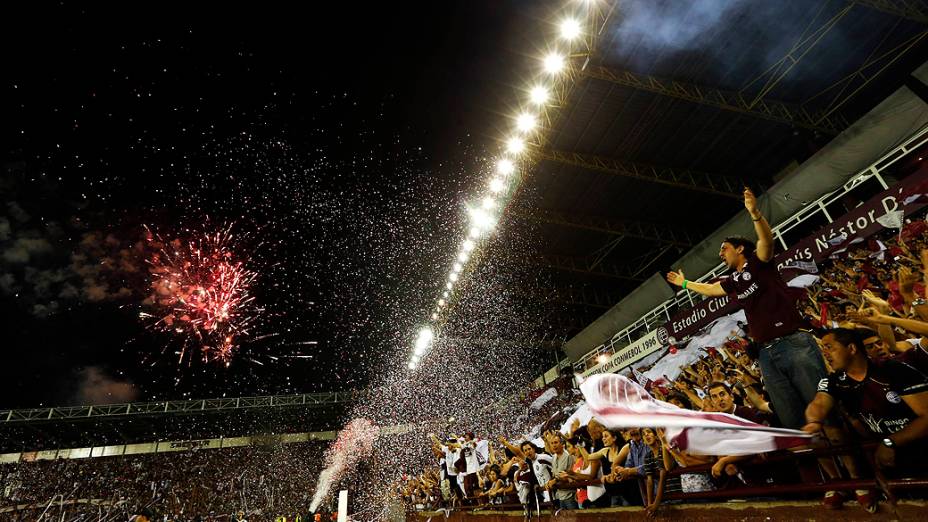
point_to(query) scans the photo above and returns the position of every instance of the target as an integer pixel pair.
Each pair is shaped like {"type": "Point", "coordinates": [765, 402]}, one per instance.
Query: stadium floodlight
{"type": "Point", "coordinates": [481, 219]}
{"type": "Point", "coordinates": [412, 365]}
{"type": "Point", "coordinates": [515, 145]}
{"type": "Point", "coordinates": [450, 285]}
{"type": "Point", "coordinates": [525, 122]}
{"type": "Point", "coordinates": [453, 277]}
{"type": "Point", "coordinates": [468, 245]}
{"type": "Point", "coordinates": [444, 294]}
{"type": "Point", "coordinates": [463, 256]}
{"type": "Point", "coordinates": [488, 203]}
{"type": "Point", "coordinates": [434, 316]}
{"type": "Point", "coordinates": [505, 166]}
{"type": "Point", "coordinates": [457, 267]}
{"type": "Point", "coordinates": [570, 29]}
{"type": "Point", "coordinates": [538, 95]}
{"type": "Point", "coordinates": [497, 185]}
{"type": "Point", "coordinates": [553, 63]}
{"type": "Point", "coordinates": [602, 358]}
{"type": "Point", "coordinates": [423, 341]}
{"type": "Point", "coordinates": [441, 302]}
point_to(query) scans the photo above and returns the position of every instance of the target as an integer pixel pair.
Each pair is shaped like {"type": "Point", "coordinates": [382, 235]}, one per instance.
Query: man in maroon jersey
{"type": "Point", "coordinates": [888, 400]}
{"type": "Point", "coordinates": [789, 357]}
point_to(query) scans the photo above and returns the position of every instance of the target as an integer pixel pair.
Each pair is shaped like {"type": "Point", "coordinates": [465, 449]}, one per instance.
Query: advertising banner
{"type": "Point", "coordinates": [628, 355]}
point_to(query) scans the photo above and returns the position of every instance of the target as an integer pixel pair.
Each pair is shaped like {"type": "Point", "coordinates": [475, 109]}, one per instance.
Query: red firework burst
{"type": "Point", "coordinates": [201, 292]}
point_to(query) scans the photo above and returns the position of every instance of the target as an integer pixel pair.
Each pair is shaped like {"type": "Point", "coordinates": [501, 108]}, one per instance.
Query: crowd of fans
{"type": "Point", "coordinates": [869, 315]}
{"type": "Point", "coordinates": [257, 483]}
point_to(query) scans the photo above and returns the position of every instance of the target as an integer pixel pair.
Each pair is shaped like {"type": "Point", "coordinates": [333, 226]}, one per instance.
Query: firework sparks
{"type": "Point", "coordinates": [200, 292]}
{"type": "Point", "coordinates": [355, 442]}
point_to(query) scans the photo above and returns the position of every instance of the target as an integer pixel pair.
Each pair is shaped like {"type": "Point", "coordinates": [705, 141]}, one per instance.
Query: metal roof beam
{"type": "Point", "coordinates": [584, 296]}
{"type": "Point", "coordinates": [717, 184]}
{"type": "Point", "coordinates": [582, 266]}
{"type": "Point", "coordinates": [915, 10]}
{"type": "Point", "coordinates": [772, 110]}
{"type": "Point", "coordinates": [619, 227]}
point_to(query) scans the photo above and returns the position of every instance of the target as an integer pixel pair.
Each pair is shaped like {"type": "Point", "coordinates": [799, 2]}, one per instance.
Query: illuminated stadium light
{"type": "Point", "coordinates": [450, 285]}
{"type": "Point", "coordinates": [525, 122]}
{"type": "Point", "coordinates": [497, 185]}
{"type": "Point", "coordinates": [474, 233]}
{"type": "Point", "coordinates": [505, 167]}
{"type": "Point", "coordinates": [412, 365]}
{"type": "Point", "coordinates": [423, 341]}
{"type": "Point", "coordinates": [515, 145]}
{"type": "Point", "coordinates": [481, 219]}
{"type": "Point", "coordinates": [538, 95]}
{"type": "Point", "coordinates": [570, 29]}
{"type": "Point", "coordinates": [444, 294]}
{"type": "Point", "coordinates": [453, 277]}
{"type": "Point", "coordinates": [441, 302]}
{"type": "Point", "coordinates": [457, 267]}
{"type": "Point", "coordinates": [468, 245]}
{"type": "Point", "coordinates": [434, 316]}
{"type": "Point", "coordinates": [602, 358]}
{"type": "Point", "coordinates": [488, 203]}
{"type": "Point", "coordinates": [553, 63]}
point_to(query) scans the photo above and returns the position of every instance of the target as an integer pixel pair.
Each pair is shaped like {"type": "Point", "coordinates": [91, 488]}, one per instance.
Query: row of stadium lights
{"type": "Point", "coordinates": [482, 216]}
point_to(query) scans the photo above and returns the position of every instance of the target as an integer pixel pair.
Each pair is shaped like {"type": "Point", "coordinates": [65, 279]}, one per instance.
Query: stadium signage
{"type": "Point", "coordinates": [885, 210]}
{"type": "Point", "coordinates": [628, 355]}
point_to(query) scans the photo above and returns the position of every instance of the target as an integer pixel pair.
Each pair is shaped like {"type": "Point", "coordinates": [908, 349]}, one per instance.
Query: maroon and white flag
{"type": "Point", "coordinates": [620, 403]}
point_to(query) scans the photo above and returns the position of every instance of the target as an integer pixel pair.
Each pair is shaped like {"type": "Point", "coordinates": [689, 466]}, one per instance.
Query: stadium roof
{"type": "Point", "coordinates": [680, 106]}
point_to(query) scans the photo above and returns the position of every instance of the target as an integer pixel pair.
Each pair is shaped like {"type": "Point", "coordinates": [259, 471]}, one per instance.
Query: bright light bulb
{"type": "Point", "coordinates": [434, 316]}
{"type": "Point", "coordinates": [453, 277]}
{"type": "Point", "coordinates": [468, 245]}
{"type": "Point", "coordinates": [441, 302]}
{"type": "Point", "coordinates": [482, 219]}
{"type": "Point", "coordinates": [474, 233]}
{"type": "Point", "coordinates": [570, 29]}
{"type": "Point", "coordinates": [462, 257]}
{"type": "Point", "coordinates": [505, 167]}
{"type": "Point", "coordinates": [412, 365]}
{"type": "Point", "coordinates": [488, 203]}
{"type": "Point", "coordinates": [445, 294]}
{"type": "Point", "coordinates": [553, 63]}
{"type": "Point", "coordinates": [602, 358]}
{"type": "Point", "coordinates": [515, 145]}
{"type": "Point", "coordinates": [538, 95]}
{"type": "Point", "coordinates": [450, 285]}
{"type": "Point", "coordinates": [497, 185]}
{"type": "Point", "coordinates": [525, 122]}
{"type": "Point", "coordinates": [457, 267]}
{"type": "Point", "coordinates": [415, 358]}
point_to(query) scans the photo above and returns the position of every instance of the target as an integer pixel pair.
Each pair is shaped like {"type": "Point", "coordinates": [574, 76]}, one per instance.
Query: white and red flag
{"type": "Point", "coordinates": [620, 403]}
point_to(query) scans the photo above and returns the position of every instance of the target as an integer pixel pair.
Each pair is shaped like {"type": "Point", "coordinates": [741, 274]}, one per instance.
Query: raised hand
{"type": "Point", "coordinates": [750, 202]}
{"type": "Point", "coordinates": [676, 278]}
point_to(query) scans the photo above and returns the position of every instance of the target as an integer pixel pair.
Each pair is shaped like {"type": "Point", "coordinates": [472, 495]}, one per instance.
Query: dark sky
{"type": "Point", "coordinates": [337, 139]}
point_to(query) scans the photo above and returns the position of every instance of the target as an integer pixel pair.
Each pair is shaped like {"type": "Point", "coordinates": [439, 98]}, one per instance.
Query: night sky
{"type": "Point", "coordinates": [337, 141]}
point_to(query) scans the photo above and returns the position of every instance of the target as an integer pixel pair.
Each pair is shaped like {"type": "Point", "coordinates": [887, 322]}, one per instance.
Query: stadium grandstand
{"type": "Point", "coordinates": [651, 142]}
{"type": "Point", "coordinates": [641, 168]}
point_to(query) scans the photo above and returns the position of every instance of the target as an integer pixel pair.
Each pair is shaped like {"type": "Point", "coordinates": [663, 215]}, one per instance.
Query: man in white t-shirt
{"type": "Point", "coordinates": [452, 452]}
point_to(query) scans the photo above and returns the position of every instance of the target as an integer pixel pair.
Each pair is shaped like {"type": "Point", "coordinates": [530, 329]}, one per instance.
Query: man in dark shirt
{"type": "Point", "coordinates": [789, 357]}
{"type": "Point", "coordinates": [888, 399]}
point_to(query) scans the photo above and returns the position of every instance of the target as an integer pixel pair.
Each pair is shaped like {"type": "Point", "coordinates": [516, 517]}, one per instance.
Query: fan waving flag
{"type": "Point", "coordinates": [620, 403]}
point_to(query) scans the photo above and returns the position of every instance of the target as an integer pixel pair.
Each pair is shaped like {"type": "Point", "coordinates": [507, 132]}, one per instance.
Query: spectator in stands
{"type": "Point", "coordinates": [654, 470]}
{"type": "Point", "coordinates": [888, 400]}
{"type": "Point", "coordinates": [562, 494]}
{"type": "Point", "coordinates": [534, 473]}
{"type": "Point", "coordinates": [789, 358]}
{"type": "Point", "coordinates": [610, 457]}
